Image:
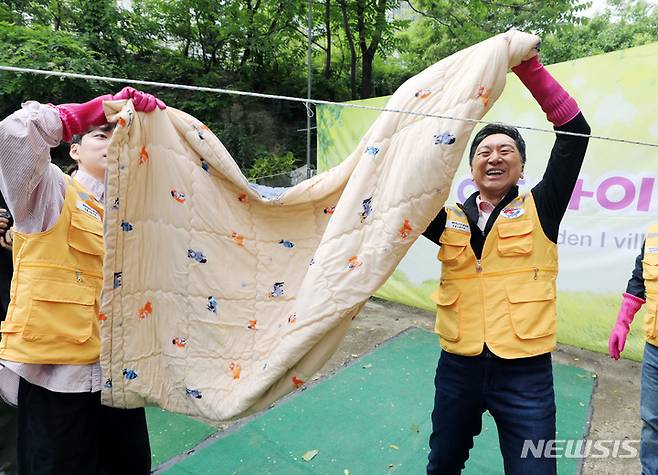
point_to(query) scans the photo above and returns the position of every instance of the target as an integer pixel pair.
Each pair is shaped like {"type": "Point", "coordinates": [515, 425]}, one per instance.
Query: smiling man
{"type": "Point", "coordinates": [496, 298]}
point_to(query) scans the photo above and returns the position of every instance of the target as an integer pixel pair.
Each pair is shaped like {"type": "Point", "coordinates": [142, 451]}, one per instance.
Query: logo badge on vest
{"type": "Point", "coordinates": [458, 226]}
{"type": "Point", "coordinates": [88, 210]}
{"type": "Point", "coordinates": [651, 250]}
{"type": "Point", "coordinates": [512, 213]}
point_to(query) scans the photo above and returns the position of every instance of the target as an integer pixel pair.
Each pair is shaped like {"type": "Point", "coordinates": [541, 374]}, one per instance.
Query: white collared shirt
{"type": "Point", "coordinates": [484, 211]}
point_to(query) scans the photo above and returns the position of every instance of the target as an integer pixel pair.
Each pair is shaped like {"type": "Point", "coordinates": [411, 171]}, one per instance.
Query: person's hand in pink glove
{"type": "Point", "coordinates": [629, 307]}
{"type": "Point", "coordinates": [77, 118]}
{"type": "Point", "coordinates": [558, 105]}
{"type": "Point", "coordinates": [143, 102]}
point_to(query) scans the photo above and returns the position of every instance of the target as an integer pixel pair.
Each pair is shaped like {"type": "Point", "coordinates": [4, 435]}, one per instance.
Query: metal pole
{"type": "Point", "coordinates": [308, 90]}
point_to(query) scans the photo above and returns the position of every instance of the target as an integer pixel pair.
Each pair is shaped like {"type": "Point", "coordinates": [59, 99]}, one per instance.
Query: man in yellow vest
{"type": "Point", "coordinates": [496, 298]}
{"type": "Point", "coordinates": [642, 285]}
{"type": "Point", "coordinates": [50, 343]}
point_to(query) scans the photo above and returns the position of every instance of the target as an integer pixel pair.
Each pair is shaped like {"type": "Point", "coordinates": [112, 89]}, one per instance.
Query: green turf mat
{"type": "Point", "coordinates": [173, 434]}
{"type": "Point", "coordinates": [372, 417]}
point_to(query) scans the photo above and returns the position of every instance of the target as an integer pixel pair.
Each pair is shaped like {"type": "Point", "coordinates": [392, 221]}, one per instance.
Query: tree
{"type": "Point", "coordinates": [365, 23]}
{"type": "Point", "coordinates": [327, 28]}
{"type": "Point", "coordinates": [38, 47]}
{"type": "Point", "coordinates": [360, 48]}
{"type": "Point", "coordinates": [446, 26]}
{"type": "Point", "coordinates": [267, 167]}
{"type": "Point", "coordinates": [624, 24]}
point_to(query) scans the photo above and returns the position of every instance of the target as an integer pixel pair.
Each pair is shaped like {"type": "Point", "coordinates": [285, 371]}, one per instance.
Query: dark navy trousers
{"type": "Point", "coordinates": [73, 434]}
{"type": "Point", "coordinates": [518, 393]}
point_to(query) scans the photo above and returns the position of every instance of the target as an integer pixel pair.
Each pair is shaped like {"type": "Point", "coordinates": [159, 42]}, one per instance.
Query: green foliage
{"type": "Point", "coordinates": [269, 165]}
{"type": "Point", "coordinates": [38, 47]}
{"type": "Point", "coordinates": [623, 24]}
{"type": "Point", "coordinates": [388, 75]}
{"type": "Point", "coordinates": [369, 29]}
{"type": "Point", "coordinates": [446, 26]}
{"type": "Point", "coordinates": [361, 48]}
{"type": "Point", "coordinates": [97, 21]}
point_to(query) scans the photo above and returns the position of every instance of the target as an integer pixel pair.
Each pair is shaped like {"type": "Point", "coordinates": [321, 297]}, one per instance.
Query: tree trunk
{"type": "Point", "coordinates": [368, 52]}
{"type": "Point", "coordinates": [350, 42]}
{"type": "Point", "coordinates": [361, 29]}
{"type": "Point", "coordinates": [366, 73]}
{"type": "Point", "coordinates": [327, 27]}
{"type": "Point", "coordinates": [57, 16]}
{"type": "Point", "coordinates": [246, 54]}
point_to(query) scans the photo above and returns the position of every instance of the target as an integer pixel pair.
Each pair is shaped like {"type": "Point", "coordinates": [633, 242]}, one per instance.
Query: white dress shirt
{"type": "Point", "coordinates": [484, 211]}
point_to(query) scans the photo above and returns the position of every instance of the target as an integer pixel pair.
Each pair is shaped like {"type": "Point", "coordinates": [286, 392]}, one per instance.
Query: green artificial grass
{"type": "Point", "coordinates": [372, 417]}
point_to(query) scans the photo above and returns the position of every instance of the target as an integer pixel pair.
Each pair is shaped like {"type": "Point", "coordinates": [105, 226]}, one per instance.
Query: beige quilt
{"type": "Point", "coordinates": [217, 301]}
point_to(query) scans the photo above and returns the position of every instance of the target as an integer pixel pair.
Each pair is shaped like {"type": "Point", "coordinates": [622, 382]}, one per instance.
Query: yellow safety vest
{"type": "Point", "coordinates": [650, 275]}
{"type": "Point", "coordinates": [506, 299]}
{"type": "Point", "coordinates": [55, 290]}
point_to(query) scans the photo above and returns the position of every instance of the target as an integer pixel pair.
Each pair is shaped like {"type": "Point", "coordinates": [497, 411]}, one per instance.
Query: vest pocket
{"type": "Point", "coordinates": [11, 327]}
{"type": "Point", "coordinates": [453, 245]}
{"type": "Point", "coordinates": [515, 238]}
{"type": "Point", "coordinates": [61, 310]}
{"type": "Point", "coordinates": [447, 313]}
{"type": "Point", "coordinates": [650, 321]}
{"type": "Point", "coordinates": [532, 309]}
{"type": "Point", "coordinates": [86, 234]}
{"type": "Point", "coordinates": [649, 269]}
{"type": "Point", "coordinates": [650, 275]}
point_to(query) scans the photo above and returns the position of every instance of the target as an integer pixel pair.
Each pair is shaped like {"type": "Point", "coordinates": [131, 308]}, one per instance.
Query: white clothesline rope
{"type": "Point", "coordinates": [307, 102]}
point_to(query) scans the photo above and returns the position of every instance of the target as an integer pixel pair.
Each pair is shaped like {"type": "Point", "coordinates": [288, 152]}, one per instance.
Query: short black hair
{"type": "Point", "coordinates": [77, 138]}
{"type": "Point", "coordinates": [491, 129]}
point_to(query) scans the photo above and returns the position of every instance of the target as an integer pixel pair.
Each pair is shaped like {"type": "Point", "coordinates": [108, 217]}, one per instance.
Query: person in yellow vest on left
{"type": "Point", "coordinates": [49, 341]}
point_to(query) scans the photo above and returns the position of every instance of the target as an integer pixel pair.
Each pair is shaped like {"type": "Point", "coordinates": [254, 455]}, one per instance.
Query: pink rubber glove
{"type": "Point", "coordinates": [558, 105]}
{"type": "Point", "coordinates": [142, 101]}
{"type": "Point", "coordinates": [77, 118]}
{"type": "Point", "coordinates": [629, 307]}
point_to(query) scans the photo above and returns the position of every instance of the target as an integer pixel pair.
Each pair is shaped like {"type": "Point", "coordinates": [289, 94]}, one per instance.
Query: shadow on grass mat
{"type": "Point", "coordinates": [372, 417]}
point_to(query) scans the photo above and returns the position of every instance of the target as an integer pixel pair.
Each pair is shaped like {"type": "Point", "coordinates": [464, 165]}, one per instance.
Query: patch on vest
{"type": "Point", "coordinates": [651, 250]}
{"type": "Point", "coordinates": [88, 210]}
{"type": "Point", "coordinates": [458, 225]}
{"type": "Point", "coordinates": [512, 213]}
